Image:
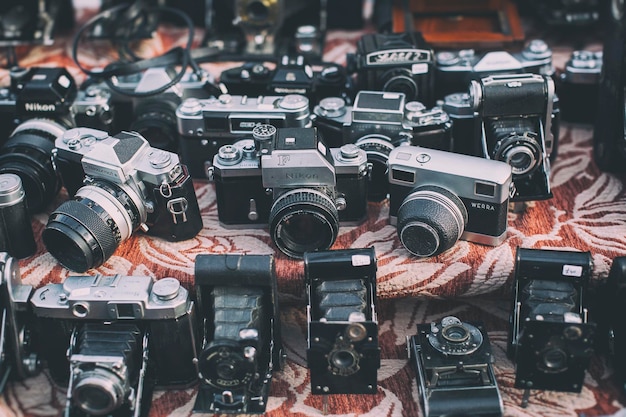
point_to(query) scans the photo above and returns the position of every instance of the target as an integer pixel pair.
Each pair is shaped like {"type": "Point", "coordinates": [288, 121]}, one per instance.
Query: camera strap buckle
{"type": "Point", "coordinates": [178, 208]}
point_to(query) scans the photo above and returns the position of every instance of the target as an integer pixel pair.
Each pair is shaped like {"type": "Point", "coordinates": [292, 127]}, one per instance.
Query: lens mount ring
{"type": "Point", "coordinates": [430, 220]}
{"type": "Point", "coordinates": [456, 339]}
{"type": "Point", "coordinates": [400, 80]}
{"type": "Point", "coordinates": [553, 360]}
{"type": "Point", "coordinates": [98, 392]}
{"type": "Point", "coordinates": [522, 152]}
{"type": "Point", "coordinates": [303, 220]}
{"type": "Point", "coordinates": [223, 365]}
{"type": "Point", "coordinates": [343, 360]}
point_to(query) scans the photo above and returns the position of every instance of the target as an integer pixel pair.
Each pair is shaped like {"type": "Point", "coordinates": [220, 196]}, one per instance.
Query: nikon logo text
{"type": "Point", "coordinates": [39, 107]}
{"type": "Point", "coordinates": [300, 176]}
{"type": "Point", "coordinates": [483, 206]}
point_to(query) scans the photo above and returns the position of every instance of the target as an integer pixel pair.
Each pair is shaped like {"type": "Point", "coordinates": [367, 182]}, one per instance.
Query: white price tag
{"type": "Point", "coordinates": [572, 270]}
{"type": "Point", "coordinates": [360, 260]}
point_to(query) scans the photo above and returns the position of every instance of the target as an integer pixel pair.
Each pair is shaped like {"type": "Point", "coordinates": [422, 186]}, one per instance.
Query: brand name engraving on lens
{"type": "Point", "coordinates": [483, 206]}
{"type": "Point", "coordinates": [398, 56]}
{"type": "Point", "coordinates": [39, 107]}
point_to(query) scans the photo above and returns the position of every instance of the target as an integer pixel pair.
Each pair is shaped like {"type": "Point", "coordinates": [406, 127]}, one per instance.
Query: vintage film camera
{"type": "Point", "coordinates": [455, 69]}
{"type": "Point", "coordinates": [454, 368]}
{"type": "Point", "coordinates": [577, 87]}
{"type": "Point", "coordinates": [207, 125]}
{"type": "Point", "coordinates": [137, 108]}
{"type": "Point", "coordinates": [607, 312]}
{"type": "Point", "coordinates": [342, 352]}
{"type": "Point", "coordinates": [242, 347]}
{"type": "Point", "coordinates": [247, 28]}
{"type": "Point", "coordinates": [399, 62]}
{"type": "Point", "coordinates": [18, 344]}
{"type": "Point", "coordinates": [128, 185]}
{"type": "Point", "coordinates": [513, 119]}
{"type": "Point", "coordinates": [291, 76]}
{"type": "Point", "coordinates": [567, 13]}
{"type": "Point", "coordinates": [379, 122]}
{"type": "Point", "coordinates": [438, 197]}
{"type": "Point", "coordinates": [33, 21]}
{"type": "Point", "coordinates": [550, 338]}
{"type": "Point", "coordinates": [16, 230]}
{"type": "Point", "coordinates": [111, 339]}
{"type": "Point", "coordinates": [609, 141]}
{"type": "Point", "coordinates": [292, 182]}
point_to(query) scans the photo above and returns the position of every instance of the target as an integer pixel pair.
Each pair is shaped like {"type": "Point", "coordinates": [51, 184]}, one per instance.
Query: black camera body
{"type": "Point", "coordinates": [398, 62]}
{"type": "Point", "coordinates": [342, 353]}
{"type": "Point", "coordinates": [238, 300]}
{"type": "Point", "coordinates": [18, 346]}
{"type": "Point", "coordinates": [578, 86]}
{"type": "Point", "coordinates": [111, 339]}
{"type": "Point", "coordinates": [291, 76]}
{"type": "Point", "coordinates": [377, 123]}
{"type": "Point", "coordinates": [609, 141]}
{"type": "Point", "coordinates": [513, 119]}
{"type": "Point", "coordinates": [453, 363]}
{"type": "Point", "coordinates": [127, 185]}
{"type": "Point", "coordinates": [550, 338]}
{"type": "Point", "coordinates": [455, 69]}
{"type": "Point", "coordinates": [290, 180]}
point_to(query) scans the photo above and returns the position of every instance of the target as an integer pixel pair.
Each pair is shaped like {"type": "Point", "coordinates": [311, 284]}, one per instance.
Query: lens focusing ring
{"type": "Point", "coordinates": [515, 145]}
{"type": "Point", "coordinates": [102, 382]}
{"type": "Point", "coordinates": [295, 204]}
{"type": "Point", "coordinates": [430, 220]}
{"type": "Point", "coordinates": [156, 121]}
{"type": "Point", "coordinates": [399, 80]}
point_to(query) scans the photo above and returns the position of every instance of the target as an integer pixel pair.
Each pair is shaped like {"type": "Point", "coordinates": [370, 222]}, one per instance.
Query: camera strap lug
{"type": "Point", "coordinates": [178, 208]}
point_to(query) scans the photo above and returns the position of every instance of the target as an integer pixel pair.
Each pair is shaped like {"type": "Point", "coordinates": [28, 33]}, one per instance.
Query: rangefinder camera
{"type": "Point", "coordinates": [206, 125]}
{"type": "Point", "coordinates": [18, 344]}
{"type": "Point", "coordinates": [398, 62]}
{"type": "Point", "coordinates": [242, 347]}
{"type": "Point", "coordinates": [342, 352]}
{"type": "Point", "coordinates": [111, 339]}
{"type": "Point", "coordinates": [290, 180]}
{"type": "Point", "coordinates": [128, 185]}
{"type": "Point", "coordinates": [438, 197]}
{"type": "Point", "coordinates": [455, 69]}
{"type": "Point", "coordinates": [551, 340]}
{"type": "Point", "coordinates": [291, 76]}
{"type": "Point", "coordinates": [377, 123]}
{"type": "Point", "coordinates": [578, 86]}
{"type": "Point", "coordinates": [454, 367]}
{"type": "Point", "coordinates": [514, 121]}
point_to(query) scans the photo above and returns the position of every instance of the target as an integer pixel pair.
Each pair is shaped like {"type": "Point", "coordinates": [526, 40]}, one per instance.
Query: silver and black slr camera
{"type": "Point", "coordinates": [378, 122]}
{"type": "Point", "coordinates": [513, 119]}
{"type": "Point", "coordinates": [454, 368]}
{"type": "Point", "coordinates": [291, 76]}
{"type": "Point", "coordinates": [578, 86]}
{"type": "Point", "coordinates": [238, 299]}
{"type": "Point", "coordinates": [207, 125]}
{"type": "Point", "coordinates": [455, 69]}
{"type": "Point", "coordinates": [438, 197]}
{"type": "Point", "coordinates": [342, 353]}
{"type": "Point", "coordinates": [290, 180]}
{"type": "Point", "coordinates": [18, 344]}
{"type": "Point", "coordinates": [128, 185]}
{"type": "Point", "coordinates": [399, 62]}
{"type": "Point", "coordinates": [111, 339]}
{"type": "Point", "coordinates": [551, 340]}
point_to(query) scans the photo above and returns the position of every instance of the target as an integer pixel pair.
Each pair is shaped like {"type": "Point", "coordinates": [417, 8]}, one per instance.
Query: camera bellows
{"type": "Point", "coordinates": [342, 300]}
{"type": "Point", "coordinates": [236, 309]}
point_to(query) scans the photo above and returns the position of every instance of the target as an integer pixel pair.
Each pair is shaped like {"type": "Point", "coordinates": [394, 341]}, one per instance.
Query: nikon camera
{"type": "Point", "coordinates": [550, 338]}
{"type": "Point", "coordinates": [18, 344]}
{"type": "Point", "coordinates": [290, 180]}
{"type": "Point", "coordinates": [242, 346]}
{"type": "Point", "coordinates": [399, 62]}
{"type": "Point", "coordinates": [128, 185]}
{"type": "Point", "coordinates": [438, 197]}
{"type": "Point", "coordinates": [206, 125]}
{"type": "Point", "coordinates": [377, 123]}
{"type": "Point", "coordinates": [111, 339]}
{"type": "Point", "coordinates": [342, 353]}
{"type": "Point", "coordinates": [454, 368]}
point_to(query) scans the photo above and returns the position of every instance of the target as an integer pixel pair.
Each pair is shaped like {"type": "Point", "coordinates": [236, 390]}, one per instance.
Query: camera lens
{"type": "Point", "coordinates": [455, 333]}
{"type": "Point", "coordinates": [454, 337]}
{"type": "Point", "coordinates": [28, 154]}
{"type": "Point", "coordinates": [303, 220]}
{"type": "Point", "coordinates": [516, 144]}
{"type": "Point", "coordinates": [430, 220]}
{"type": "Point", "coordinates": [345, 361]}
{"type": "Point", "coordinates": [223, 365]}
{"type": "Point", "coordinates": [400, 80]}
{"type": "Point", "coordinates": [83, 233]}
{"type": "Point", "coordinates": [98, 392]}
{"type": "Point", "coordinates": [554, 360]}
{"type": "Point", "coordinates": [156, 121]}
